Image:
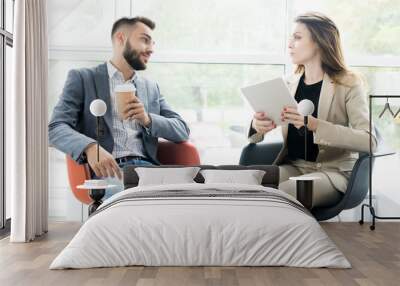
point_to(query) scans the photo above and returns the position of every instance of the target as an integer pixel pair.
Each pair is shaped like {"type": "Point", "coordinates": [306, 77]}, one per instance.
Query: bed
{"type": "Point", "coordinates": [201, 224]}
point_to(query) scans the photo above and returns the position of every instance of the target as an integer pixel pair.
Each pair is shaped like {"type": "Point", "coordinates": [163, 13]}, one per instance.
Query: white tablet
{"type": "Point", "coordinates": [270, 97]}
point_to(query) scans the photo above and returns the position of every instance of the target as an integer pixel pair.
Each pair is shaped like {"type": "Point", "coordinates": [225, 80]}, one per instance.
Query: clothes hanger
{"type": "Point", "coordinates": [386, 107]}
{"type": "Point", "coordinates": [397, 113]}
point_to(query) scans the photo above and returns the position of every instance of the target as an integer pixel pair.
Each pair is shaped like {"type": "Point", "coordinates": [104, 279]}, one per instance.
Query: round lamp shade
{"type": "Point", "coordinates": [305, 107]}
{"type": "Point", "coordinates": [98, 107]}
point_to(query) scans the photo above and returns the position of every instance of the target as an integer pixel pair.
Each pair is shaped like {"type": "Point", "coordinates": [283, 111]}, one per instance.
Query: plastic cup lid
{"type": "Point", "coordinates": [126, 87]}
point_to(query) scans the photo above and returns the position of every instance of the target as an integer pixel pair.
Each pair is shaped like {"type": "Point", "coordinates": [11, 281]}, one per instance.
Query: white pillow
{"type": "Point", "coordinates": [163, 176]}
{"type": "Point", "coordinates": [248, 177]}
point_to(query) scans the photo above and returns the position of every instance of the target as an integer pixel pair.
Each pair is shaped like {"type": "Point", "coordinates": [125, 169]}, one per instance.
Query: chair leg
{"type": "Point", "coordinates": [361, 221]}
{"type": "Point", "coordinates": [97, 196]}
{"type": "Point", "coordinates": [372, 210]}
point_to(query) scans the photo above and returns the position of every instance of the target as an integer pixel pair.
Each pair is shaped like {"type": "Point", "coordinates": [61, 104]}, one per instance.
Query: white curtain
{"type": "Point", "coordinates": [27, 153]}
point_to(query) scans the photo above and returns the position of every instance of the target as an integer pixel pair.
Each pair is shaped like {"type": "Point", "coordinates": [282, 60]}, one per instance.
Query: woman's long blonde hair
{"type": "Point", "coordinates": [326, 35]}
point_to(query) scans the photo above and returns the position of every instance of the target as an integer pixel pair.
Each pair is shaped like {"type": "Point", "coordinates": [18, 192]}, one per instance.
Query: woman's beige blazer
{"type": "Point", "coordinates": [343, 126]}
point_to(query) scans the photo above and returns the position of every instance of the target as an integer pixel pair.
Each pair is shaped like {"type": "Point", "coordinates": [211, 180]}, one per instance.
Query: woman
{"type": "Point", "coordinates": [338, 128]}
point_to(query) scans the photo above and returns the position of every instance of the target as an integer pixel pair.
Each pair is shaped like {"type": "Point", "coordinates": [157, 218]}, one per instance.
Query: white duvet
{"type": "Point", "coordinates": [206, 230]}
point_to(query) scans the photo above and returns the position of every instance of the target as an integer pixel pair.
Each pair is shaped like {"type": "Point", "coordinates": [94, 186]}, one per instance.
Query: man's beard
{"type": "Point", "coordinates": [132, 57]}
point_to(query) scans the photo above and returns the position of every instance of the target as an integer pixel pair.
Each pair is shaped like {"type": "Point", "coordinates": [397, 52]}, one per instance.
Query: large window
{"type": "Point", "coordinates": [208, 97]}
{"type": "Point", "coordinates": [369, 28]}
{"type": "Point", "coordinates": [222, 26]}
{"type": "Point", "coordinates": [206, 50]}
{"type": "Point", "coordinates": [6, 43]}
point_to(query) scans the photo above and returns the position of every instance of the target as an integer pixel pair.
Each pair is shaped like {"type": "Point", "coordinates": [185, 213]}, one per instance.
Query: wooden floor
{"type": "Point", "coordinates": [374, 255]}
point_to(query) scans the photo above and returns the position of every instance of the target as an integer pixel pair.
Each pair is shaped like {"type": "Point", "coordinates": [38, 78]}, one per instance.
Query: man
{"type": "Point", "coordinates": [72, 128]}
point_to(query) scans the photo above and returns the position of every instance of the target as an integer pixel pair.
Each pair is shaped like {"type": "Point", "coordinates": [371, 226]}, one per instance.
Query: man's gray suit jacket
{"type": "Point", "coordinates": [72, 127]}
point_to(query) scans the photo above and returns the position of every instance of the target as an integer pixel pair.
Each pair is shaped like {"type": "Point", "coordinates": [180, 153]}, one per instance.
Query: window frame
{"type": "Point", "coordinates": [6, 39]}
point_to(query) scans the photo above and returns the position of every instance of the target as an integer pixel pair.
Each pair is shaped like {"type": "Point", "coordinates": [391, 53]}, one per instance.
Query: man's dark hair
{"type": "Point", "coordinates": [131, 22]}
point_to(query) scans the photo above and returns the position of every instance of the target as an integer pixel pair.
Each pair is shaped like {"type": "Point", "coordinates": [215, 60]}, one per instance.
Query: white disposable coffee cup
{"type": "Point", "coordinates": [123, 94]}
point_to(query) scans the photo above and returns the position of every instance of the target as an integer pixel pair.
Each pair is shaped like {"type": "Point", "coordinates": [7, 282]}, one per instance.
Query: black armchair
{"type": "Point", "coordinates": [357, 188]}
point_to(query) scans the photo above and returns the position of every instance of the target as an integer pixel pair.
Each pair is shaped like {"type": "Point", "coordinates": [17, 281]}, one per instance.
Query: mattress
{"type": "Point", "coordinates": [201, 225]}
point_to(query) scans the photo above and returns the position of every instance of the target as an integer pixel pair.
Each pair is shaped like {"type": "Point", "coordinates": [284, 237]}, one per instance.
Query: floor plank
{"type": "Point", "coordinates": [374, 255]}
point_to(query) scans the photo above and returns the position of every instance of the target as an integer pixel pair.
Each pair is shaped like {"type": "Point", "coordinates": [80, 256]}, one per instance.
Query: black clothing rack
{"type": "Point", "coordinates": [371, 157]}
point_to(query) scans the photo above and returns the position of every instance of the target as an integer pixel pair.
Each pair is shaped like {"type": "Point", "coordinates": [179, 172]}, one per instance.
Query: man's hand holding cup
{"type": "Point", "coordinates": [134, 109]}
{"type": "Point", "coordinates": [129, 105]}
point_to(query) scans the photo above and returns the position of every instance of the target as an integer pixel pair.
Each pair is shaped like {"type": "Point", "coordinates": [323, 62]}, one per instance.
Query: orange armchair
{"type": "Point", "coordinates": [169, 153]}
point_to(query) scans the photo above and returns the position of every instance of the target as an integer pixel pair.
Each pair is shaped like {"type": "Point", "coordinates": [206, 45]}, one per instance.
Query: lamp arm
{"type": "Point", "coordinates": [97, 138]}
{"type": "Point", "coordinates": [305, 137]}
